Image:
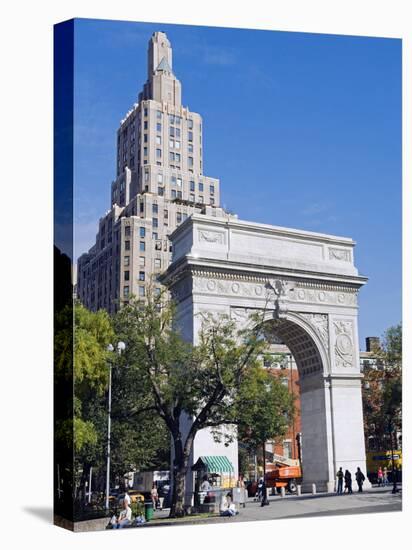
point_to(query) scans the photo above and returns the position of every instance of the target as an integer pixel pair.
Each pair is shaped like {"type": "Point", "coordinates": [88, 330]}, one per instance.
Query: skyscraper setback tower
{"type": "Point", "coordinates": [159, 183]}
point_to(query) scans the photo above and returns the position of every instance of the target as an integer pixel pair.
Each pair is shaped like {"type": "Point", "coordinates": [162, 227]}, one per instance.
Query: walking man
{"type": "Point", "coordinates": [339, 475]}
{"type": "Point", "coordinates": [360, 478]}
{"type": "Point", "coordinates": [380, 476]}
{"type": "Point", "coordinates": [348, 482]}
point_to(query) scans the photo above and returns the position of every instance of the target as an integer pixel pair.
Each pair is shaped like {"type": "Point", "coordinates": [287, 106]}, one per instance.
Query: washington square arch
{"type": "Point", "coordinates": [307, 284]}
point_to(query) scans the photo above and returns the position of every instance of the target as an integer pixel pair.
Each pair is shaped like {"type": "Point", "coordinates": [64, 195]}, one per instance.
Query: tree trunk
{"type": "Point", "coordinates": [180, 466]}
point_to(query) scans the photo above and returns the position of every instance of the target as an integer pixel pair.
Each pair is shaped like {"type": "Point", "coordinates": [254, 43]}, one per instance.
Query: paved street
{"type": "Point", "coordinates": [372, 501]}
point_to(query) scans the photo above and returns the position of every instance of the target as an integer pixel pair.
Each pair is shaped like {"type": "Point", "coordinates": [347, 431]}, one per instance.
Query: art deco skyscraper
{"type": "Point", "coordinates": [159, 183]}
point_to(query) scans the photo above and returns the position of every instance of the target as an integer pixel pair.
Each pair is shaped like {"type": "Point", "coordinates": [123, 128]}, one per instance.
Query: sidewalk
{"type": "Point", "coordinates": [371, 501]}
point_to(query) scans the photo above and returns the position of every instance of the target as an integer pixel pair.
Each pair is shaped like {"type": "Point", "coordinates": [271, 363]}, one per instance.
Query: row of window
{"type": "Point", "coordinates": [142, 262]}
{"type": "Point", "coordinates": [142, 291]}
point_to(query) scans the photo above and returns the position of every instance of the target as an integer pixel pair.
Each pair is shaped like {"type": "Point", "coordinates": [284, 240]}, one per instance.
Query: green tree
{"type": "Point", "coordinates": [265, 409]}
{"type": "Point", "coordinates": [191, 388]}
{"type": "Point", "coordinates": [382, 390]}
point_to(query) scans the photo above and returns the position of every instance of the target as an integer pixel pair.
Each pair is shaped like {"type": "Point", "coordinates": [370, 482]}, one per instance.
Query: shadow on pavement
{"type": "Point", "coordinates": [42, 512]}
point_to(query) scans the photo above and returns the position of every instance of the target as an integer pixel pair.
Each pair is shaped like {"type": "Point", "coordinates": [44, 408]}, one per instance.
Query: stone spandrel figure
{"type": "Point", "coordinates": [348, 482]}
{"type": "Point", "coordinates": [360, 478]}
{"type": "Point", "coordinates": [339, 475]}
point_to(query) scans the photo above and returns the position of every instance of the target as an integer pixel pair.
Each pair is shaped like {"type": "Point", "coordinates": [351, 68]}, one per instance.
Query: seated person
{"type": "Point", "coordinates": [125, 517]}
{"type": "Point", "coordinates": [227, 507]}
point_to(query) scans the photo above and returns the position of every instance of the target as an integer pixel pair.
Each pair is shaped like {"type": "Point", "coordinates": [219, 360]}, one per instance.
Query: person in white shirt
{"type": "Point", "coordinates": [125, 516]}
{"type": "Point", "coordinates": [228, 507]}
{"type": "Point", "coordinates": [127, 498]}
{"type": "Point", "coordinates": [205, 485]}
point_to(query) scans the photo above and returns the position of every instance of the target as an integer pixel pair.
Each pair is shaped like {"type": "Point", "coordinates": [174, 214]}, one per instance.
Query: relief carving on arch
{"type": "Point", "coordinates": [343, 343]}
{"type": "Point", "coordinates": [319, 322]}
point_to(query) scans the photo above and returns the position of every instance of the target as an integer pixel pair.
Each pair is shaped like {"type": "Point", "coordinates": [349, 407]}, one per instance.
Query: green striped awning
{"type": "Point", "coordinates": [214, 464]}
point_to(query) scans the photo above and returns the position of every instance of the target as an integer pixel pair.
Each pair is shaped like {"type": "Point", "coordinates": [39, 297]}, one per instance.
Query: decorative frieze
{"type": "Point", "coordinates": [339, 254]}
{"type": "Point", "coordinates": [211, 236]}
{"type": "Point", "coordinates": [343, 343]}
{"type": "Point", "coordinates": [319, 322]}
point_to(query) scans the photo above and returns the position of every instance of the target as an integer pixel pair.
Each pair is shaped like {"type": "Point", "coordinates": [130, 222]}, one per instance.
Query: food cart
{"type": "Point", "coordinates": [220, 473]}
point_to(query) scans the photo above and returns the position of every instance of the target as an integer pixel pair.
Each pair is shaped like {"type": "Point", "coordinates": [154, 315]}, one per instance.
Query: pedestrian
{"type": "Point", "coordinates": [265, 500]}
{"type": "Point", "coordinates": [127, 497]}
{"type": "Point", "coordinates": [339, 475]}
{"type": "Point", "coordinates": [385, 480]}
{"type": "Point", "coordinates": [348, 482]}
{"type": "Point", "coordinates": [241, 485]}
{"type": "Point", "coordinates": [259, 493]}
{"type": "Point", "coordinates": [155, 496]}
{"type": "Point", "coordinates": [360, 478]}
{"type": "Point", "coordinates": [380, 476]}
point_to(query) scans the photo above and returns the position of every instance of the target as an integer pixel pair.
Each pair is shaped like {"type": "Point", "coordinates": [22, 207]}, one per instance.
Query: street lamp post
{"type": "Point", "coordinates": [121, 346]}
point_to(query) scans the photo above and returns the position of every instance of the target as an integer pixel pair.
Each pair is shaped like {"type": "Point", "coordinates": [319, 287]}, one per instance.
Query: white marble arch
{"type": "Point", "coordinates": [306, 284]}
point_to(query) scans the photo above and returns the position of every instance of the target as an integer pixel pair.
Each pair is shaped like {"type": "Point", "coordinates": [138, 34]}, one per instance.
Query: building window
{"type": "Point", "coordinates": [145, 151]}
{"type": "Point", "coordinates": [155, 222]}
{"type": "Point", "coordinates": [158, 127]}
{"type": "Point", "coordinates": [145, 138]}
{"type": "Point", "coordinates": [127, 231]}
{"type": "Point", "coordinates": [171, 156]}
{"type": "Point", "coordinates": [158, 153]}
{"type": "Point", "coordinates": [177, 157]}
{"type": "Point", "coordinates": [155, 236]}
{"type": "Point", "coordinates": [141, 291]}
{"type": "Point", "coordinates": [142, 261]}
{"type": "Point", "coordinates": [212, 189]}
{"type": "Point", "coordinates": [127, 275]}
{"type": "Point", "coordinates": [142, 246]}
{"type": "Point", "coordinates": [172, 119]}
{"type": "Point", "coordinates": [173, 180]}
{"type": "Point", "coordinates": [190, 136]}
{"type": "Point", "coordinates": [192, 186]}
{"type": "Point", "coordinates": [200, 187]}
{"type": "Point", "coordinates": [173, 193]}
{"type": "Point", "coordinates": [160, 191]}
{"type": "Point", "coordinates": [125, 292]}
{"type": "Point", "coordinates": [145, 125]}
{"type": "Point", "coordinates": [192, 197]}
{"type": "Point", "coordinates": [171, 131]}
{"type": "Point", "coordinates": [155, 208]}
{"type": "Point", "coordinates": [179, 182]}
{"type": "Point", "coordinates": [157, 263]}
{"type": "Point", "coordinates": [159, 178]}
{"type": "Point", "coordinates": [190, 123]}
{"type": "Point", "coordinates": [142, 232]}
{"type": "Point", "coordinates": [159, 115]}
{"type": "Point", "coordinates": [178, 217]}
{"type": "Point", "coordinates": [177, 120]}
{"type": "Point", "coordinates": [179, 194]}
{"type": "Point", "coordinates": [190, 159]}
{"type": "Point", "coordinates": [201, 200]}
{"type": "Point", "coordinates": [212, 200]}
{"type": "Point", "coordinates": [127, 260]}
{"type": "Point", "coordinates": [177, 144]}
{"type": "Point", "coordinates": [145, 111]}
{"type": "Point", "coordinates": [141, 275]}
{"type": "Point", "coordinates": [190, 147]}
{"type": "Point", "coordinates": [159, 140]}
{"type": "Point", "coordinates": [165, 214]}
{"type": "Point", "coordinates": [127, 245]}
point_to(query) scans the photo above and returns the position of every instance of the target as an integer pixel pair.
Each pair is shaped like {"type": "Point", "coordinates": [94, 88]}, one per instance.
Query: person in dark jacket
{"type": "Point", "coordinates": [339, 475]}
{"type": "Point", "coordinates": [360, 478]}
{"type": "Point", "coordinates": [265, 500]}
{"type": "Point", "coordinates": [348, 482]}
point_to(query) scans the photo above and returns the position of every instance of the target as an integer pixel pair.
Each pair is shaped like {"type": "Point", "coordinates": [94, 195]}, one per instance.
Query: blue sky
{"type": "Point", "coordinates": [311, 124]}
